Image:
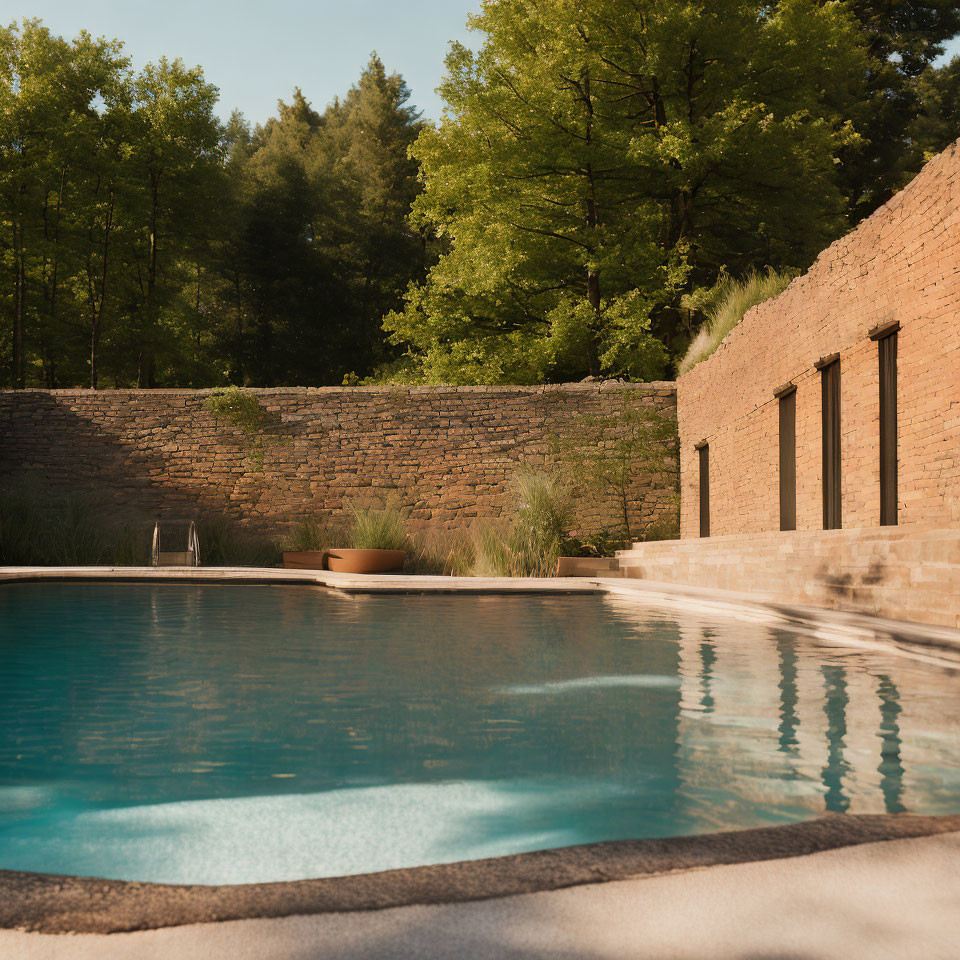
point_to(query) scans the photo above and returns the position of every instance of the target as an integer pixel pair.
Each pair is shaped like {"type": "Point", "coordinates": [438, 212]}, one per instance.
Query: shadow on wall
{"type": "Point", "coordinates": [45, 439]}
{"type": "Point", "coordinates": [73, 491]}
{"type": "Point", "coordinates": [847, 586]}
{"type": "Point", "coordinates": [447, 456]}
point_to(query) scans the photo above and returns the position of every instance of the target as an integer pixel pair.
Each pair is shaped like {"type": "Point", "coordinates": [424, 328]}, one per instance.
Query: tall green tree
{"type": "Point", "coordinates": [105, 179]}
{"type": "Point", "coordinates": [100, 227]}
{"type": "Point", "coordinates": [319, 246]}
{"type": "Point", "coordinates": [937, 123]}
{"type": "Point", "coordinates": [172, 183]}
{"type": "Point", "coordinates": [369, 134]}
{"type": "Point", "coordinates": [97, 82]}
{"type": "Point", "coordinates": [903, 39]}
{"type": "Point", "coordinates": [597, 159]}
{"type": "Point", "coordinates": [46, 85]}
{"type": "Point", "coordinates": [287, 280]}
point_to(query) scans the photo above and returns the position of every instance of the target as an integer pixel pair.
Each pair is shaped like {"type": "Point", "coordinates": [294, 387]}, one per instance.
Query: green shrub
{"type": "Point", "coordinates": [541, 525]}
{"type": "Point", "coordinates": [242, 409]}
{"type": "Point", "coordinates": [662, 530]}
{"type": "Point", "coordinates": [725, 304]}
{"type": "Point", "coordinates": [603, 543]}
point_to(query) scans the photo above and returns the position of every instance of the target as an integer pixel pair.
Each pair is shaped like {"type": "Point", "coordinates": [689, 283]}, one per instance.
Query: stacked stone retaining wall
{"type": "Point", "coordinates": [447, 454]}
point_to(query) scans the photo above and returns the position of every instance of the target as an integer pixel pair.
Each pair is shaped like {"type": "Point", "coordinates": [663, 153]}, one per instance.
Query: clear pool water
{"type": "Point", "coordinates": [228, 734]}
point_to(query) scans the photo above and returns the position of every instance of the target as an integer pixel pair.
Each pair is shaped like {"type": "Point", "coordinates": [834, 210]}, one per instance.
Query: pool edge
{"type": "Point", "coordinates": [819, 622]}
{"type": "Point", "coordinates": [46, 903]}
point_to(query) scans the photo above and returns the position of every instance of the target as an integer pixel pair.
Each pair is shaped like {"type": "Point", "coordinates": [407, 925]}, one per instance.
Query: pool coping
{"type": "Point", "coordinates": [46, 903]}
{"type": "Point", "coordinates": [50, 903]}
{"type": "Point", "coordinates": [819, 622]}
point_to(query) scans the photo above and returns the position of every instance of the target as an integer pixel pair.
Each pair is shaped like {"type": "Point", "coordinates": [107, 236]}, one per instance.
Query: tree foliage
{"type": "Point", "coordinates": [596, 159]}
{"type": "Point", "coordinates": [599, 167]}
{"type": "Point", "coordinates": [605, 456]}
{"type": "Point", "coordinates": [143, 242]}
{"type": "Point", "coordinates": [903, 38]}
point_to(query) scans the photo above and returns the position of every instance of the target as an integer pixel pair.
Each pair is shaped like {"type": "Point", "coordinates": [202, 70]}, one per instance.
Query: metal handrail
{"type": "Point", "coordinates": [193, 543]}
{"type": "Point", "coordinates": [191, 553]}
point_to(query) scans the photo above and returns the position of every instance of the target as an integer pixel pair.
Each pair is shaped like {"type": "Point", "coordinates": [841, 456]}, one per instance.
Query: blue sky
{"type": "Point", "coordinates": [257, 51]}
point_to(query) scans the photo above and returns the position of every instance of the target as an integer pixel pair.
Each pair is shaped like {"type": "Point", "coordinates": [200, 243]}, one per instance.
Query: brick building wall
{"type": "Point", "coordinates": [447, 453]}
{"type": "Point", "coordinates": [901, 264]}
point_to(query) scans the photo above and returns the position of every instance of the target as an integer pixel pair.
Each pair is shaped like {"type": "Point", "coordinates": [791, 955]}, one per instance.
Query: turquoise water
{"type": "Point", "coordinates": [227, 734]}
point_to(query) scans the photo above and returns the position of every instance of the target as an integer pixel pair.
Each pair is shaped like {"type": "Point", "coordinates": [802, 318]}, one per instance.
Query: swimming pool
{"type": "Point", "coordinates": [210, 734]}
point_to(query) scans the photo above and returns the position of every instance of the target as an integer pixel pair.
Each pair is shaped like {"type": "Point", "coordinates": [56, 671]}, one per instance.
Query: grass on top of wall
{"type": "Point", "coordinates": [725, 304]}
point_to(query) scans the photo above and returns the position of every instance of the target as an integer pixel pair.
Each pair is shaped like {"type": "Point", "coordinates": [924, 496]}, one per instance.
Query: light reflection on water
{"type": "Point", "coordinates": [351, 735]}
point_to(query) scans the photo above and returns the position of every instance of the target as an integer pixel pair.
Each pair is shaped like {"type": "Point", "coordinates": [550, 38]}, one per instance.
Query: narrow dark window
{"type": "Point", "coordinates": [830, 383]}
{"type": "Point", "coordinates": [704, 452]}
{"type": "Point", "coordinates": [788, 459]}
{"type": "Point", "coordinates": [887, 348]}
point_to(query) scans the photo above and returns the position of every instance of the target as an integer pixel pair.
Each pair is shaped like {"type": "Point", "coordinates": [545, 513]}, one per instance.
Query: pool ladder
{"type": "Point", "coordinates": [190, 557]}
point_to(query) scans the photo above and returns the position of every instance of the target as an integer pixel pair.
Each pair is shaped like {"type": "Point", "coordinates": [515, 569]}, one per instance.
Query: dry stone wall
{"type": "Point", "coordinates": [447, 453]}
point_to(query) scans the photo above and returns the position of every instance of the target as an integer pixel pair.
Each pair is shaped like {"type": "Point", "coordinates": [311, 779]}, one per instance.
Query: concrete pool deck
{"type": "Point", "coordinates": [898, 900]}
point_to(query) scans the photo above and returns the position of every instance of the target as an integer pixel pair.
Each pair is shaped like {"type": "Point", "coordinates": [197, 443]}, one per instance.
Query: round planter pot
{"type": "Point", "coordinates": [352, 560]}
{"type": "Point", "coordinates": [304, 559]}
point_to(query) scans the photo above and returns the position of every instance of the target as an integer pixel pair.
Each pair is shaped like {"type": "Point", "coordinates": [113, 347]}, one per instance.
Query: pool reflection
{"type": "Point", "coordinates": [839, 737]}
{"type": "Point", "coordinates": [144, 729]}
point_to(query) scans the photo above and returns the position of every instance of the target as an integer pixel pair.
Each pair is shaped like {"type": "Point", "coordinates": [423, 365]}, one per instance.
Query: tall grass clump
{"type": "Point", "coordinates": [40, 529]}
{"type": "Point", "coordinates": [725, 304]}
{"type": "Point", "coordinates": [311, 533]}
{"type": "Point", "coordinates": [544, 515]}
{"type": "Point", "coordinates": [493, 555]}
{"type": "Point", "coordinates": [223, 543]}
{"type": "Point", "coordinates": [448, 553]}
{"type": "Point", "coordinates": [379, 529]}
{"type": "Point", "coordinates": [529, 544]}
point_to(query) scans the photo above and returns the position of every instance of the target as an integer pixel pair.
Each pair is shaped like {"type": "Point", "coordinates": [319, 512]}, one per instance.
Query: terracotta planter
{"type": "Point", "coordinates": [351, 560]}
{"type": "Point", "coordinates": [587, 567]}
{"type": "Point", "coordinates": [304, 559]}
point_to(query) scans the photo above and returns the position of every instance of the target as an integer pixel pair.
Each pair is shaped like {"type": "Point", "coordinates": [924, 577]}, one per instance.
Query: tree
{"type": "Point", "coordinates": [173, 168]}
{"type": "Point", "coordinates": [608, 455]}
{"type": "Point", "coordinates": [320, 247]}
{"type": "Point", "coordinates": [903, 39]}
{"type": "Point", "coordinates": [937, 123]}
{"type": "Point", "coordinates": [102, 169]}
{"type": "Point", "coordinates": [45, 84]}
{"type": "Point", "coordinates": [596, 160]}
{"type": "Point", "coordinates": [370, 134]}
